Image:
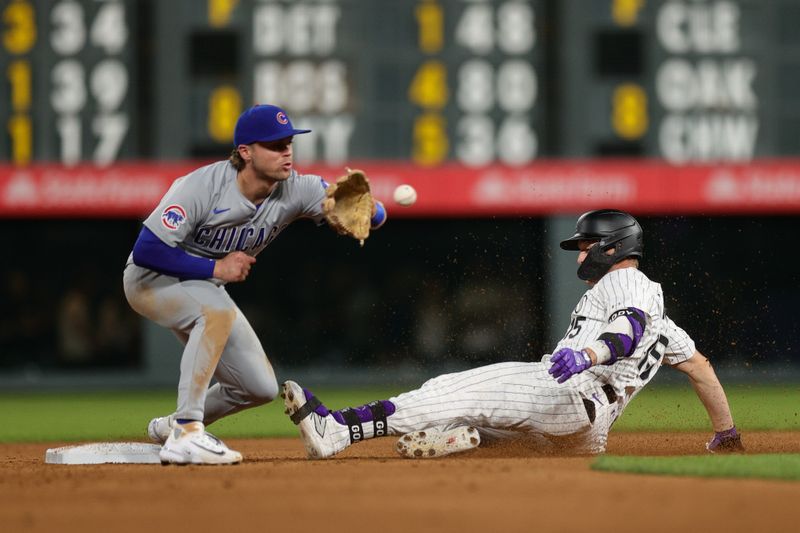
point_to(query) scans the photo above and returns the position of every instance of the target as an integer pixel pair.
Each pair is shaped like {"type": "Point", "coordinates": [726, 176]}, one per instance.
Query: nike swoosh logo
{"type": "Point", "coordinates": [319, 424]}
{"type": "Point", "coordinates": [215, 452]}
{"type": "Point", "coordinates": [218, 211]}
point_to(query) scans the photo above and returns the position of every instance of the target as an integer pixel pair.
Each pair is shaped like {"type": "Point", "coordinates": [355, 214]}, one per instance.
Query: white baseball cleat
{"type": "Point", "coordinates": [190, 444]}
{"type": "Point", "coordinates": [435, 442]}
{"type": "Point", "coordinates": [159, 428]}
{"type": "Point", "coordinates": [322, 435]}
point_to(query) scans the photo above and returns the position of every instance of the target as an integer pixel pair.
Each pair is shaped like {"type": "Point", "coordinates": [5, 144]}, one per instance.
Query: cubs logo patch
{"type": "Point", "coordinates": [282, 118]}
{"type": "Point", "coordinates": [173, 216]}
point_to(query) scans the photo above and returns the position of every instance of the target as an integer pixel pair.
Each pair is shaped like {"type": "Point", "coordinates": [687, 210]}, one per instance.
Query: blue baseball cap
{"type": "Point", "coordinates": [263, 123]}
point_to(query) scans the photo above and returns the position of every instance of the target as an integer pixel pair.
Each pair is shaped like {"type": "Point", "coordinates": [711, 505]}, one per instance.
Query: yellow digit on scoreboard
{"type": "Point", "coordinates": [626, 12]}
{"type": "Point", "coordinates": [21, 132]}
{"type": "Point", "coordinates": [19, 76]}
{"type": "Point", "coordinates": [224, 107]}
{"type": "Point", "coordinates": [20, 35]}
{"type": "Point", "coordinates": [430, 21]}
{"type": "Point", "coordinates": [429, 86]}
{"type": "Point", "coordinates": [629, 111]}
{"type": "Point", "coordinates": [219, 12]}
{"type": "Point", "coordinates": [430, 139]}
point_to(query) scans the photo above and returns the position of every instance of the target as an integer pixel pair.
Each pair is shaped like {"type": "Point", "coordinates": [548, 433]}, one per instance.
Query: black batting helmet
{"type": "Point", "coordinates": [611, 229]}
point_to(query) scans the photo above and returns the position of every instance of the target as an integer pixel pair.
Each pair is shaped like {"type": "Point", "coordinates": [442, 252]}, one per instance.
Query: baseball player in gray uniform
{"type": "Point", "coordinates": [617, 339]}
{"type": "Point", "coordinates": [206, 232]}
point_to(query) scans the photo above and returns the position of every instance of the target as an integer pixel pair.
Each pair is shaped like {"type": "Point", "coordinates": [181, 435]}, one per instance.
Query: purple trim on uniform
{"type": "Point", "coordinates": [153, 253]}
{"type": "Point", "coordinates": [622, 345]}
{"type": "Point", "coordinates": [365, 413]}
{"type": "Point", "coordinates": [321, 410]}
{"type": "Point", "coordinates": [623, 341]}
{"type": "Point", "coordinates": [637, 324]}
{"type": "Point", "coordinates": [380, 216]}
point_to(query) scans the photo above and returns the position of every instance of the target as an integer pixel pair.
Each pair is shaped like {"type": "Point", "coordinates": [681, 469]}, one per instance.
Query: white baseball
{"type": "Point", "coordinates": [405, 195]}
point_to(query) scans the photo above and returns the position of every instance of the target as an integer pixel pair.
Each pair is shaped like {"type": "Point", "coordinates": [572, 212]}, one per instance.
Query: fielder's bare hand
{"type": "Point", "coordinates": [234, 267]}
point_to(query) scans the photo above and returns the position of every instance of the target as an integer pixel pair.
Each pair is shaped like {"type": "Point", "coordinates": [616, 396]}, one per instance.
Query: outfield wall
{"type": "Point", "coordinates": [423, 296]}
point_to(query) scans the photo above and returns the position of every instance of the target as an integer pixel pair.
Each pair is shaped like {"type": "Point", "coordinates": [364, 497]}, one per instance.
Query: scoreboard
{"type": "Point", "coordinates": [687, 81]}
{"type": "Point", "coordinates": [421, 80]}
{"type": "Point", "coordinates": [471, 82]}
{"type": "Point", "coordinates": [69, 90]}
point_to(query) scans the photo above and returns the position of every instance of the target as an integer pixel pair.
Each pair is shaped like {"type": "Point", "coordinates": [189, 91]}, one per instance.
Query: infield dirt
{"type": "Point", "coordinates": [369, 488]}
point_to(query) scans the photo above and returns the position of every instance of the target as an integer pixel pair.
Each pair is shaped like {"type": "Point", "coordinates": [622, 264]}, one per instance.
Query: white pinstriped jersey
{"type": "Point", "coordinates": [619, 289]}
{"type": "Point", "coordinates": [681, 346]}
{"type": "Point", "coordinates": [506, 400]}
{"type": "Point", "coordinates": [662, 339]}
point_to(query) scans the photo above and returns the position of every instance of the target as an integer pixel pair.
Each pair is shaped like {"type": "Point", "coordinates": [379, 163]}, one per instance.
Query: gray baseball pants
{"type": "Point", "coordinates": [218, 342]}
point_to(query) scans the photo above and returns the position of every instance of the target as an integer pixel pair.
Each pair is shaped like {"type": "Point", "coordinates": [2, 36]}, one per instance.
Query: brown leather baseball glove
{"type": "Point", "coordinates": [348, 205]}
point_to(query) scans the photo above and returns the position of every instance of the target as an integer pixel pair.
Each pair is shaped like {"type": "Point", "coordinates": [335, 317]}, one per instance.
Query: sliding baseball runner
{"type": "Point", "coordinates": [616, 341]}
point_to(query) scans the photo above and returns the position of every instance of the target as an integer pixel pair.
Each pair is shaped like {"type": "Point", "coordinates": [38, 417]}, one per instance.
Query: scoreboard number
{"type": "Point", "coordinates": [629, 111]}
{"type": "Point", "coordinates": [19, 35]}
{"type": "Point", "coordinates": [224, 108]}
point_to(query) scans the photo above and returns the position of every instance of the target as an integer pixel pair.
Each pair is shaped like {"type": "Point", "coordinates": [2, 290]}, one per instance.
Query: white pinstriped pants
{"type": "Point", "coordinates": [507, 400]}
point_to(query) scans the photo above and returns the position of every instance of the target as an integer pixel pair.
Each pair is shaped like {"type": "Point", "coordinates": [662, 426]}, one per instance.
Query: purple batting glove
{"type": "Point", "coordinates": [568, 362]}
{"type": "Point", "coordinates": [728, 441]}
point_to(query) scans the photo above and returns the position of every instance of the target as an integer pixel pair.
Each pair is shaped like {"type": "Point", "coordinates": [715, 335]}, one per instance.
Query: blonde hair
{"type": "Point", "coordinates": [236, 160]}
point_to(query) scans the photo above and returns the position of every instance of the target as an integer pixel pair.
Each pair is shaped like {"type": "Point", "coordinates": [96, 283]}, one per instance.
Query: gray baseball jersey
{"type": "Point", "coordinates": [521, 400]}
{"type": "Point", "coordinates": [206, 215]}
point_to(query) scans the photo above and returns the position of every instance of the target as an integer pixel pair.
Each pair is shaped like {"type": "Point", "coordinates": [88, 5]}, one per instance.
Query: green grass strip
{"type": "Point", "coordinates": [109, 416]}
{"type": "Point", "coordinates": [677, 408]}
{"type": "Point", "coordinates": [767, 466]}
{"type": "Point", "coordinates": [41, 417]}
